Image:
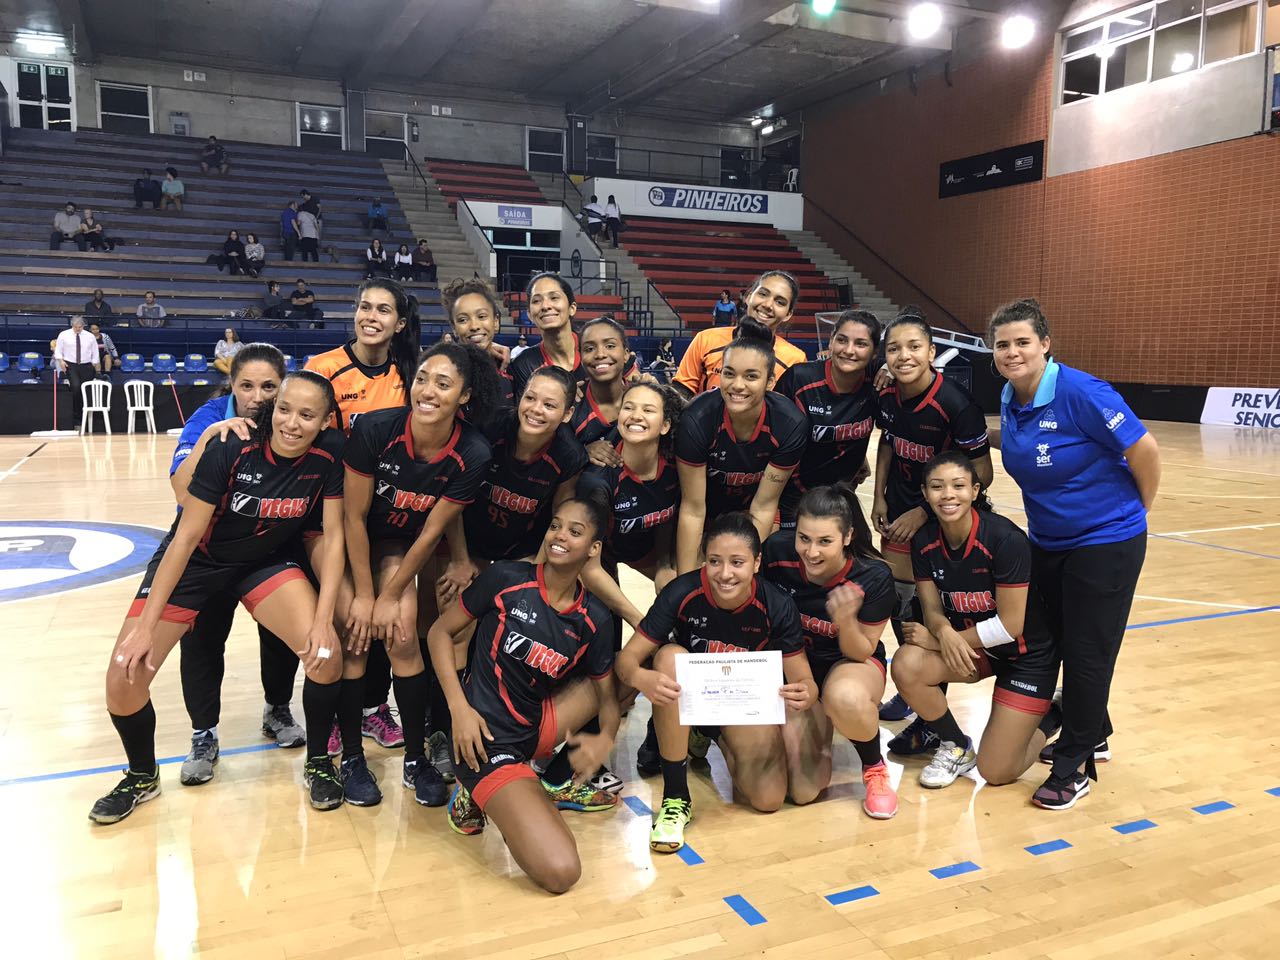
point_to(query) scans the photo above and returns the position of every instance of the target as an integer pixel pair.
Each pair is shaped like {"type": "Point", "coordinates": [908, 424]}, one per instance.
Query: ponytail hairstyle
{"type": "Point", "coordinates": [672, 408]}
{"type": "Point", "coordinates": [563, 379]}
{"type": "Point", "coordinates": [737, 523]}
{"type": "Point", "coordinates": [910, 315]}
{"type": "Point", "coordinates": [1026, 310]}
{"type": "Point", "coordinates": [405, 344]}
{"type": "Point", "coordinates": [955, 458]}
{"type": "Point", "coordinates": [250, 353]}
{"type": "Point", "coordinates": [478, 375]}
{"type": "Point", "coordinates": [564, 285]}
{"type": "Point", "coordinates": [840, 503]}
{"type": "Point", "coordinates": [262, 432]}
{"type": "Point", "coordinates": [864, 317]}
{"type": "Point", "coordinates": [751, 334]}
{"type": "Point", "coordinates": [597, 508]}
{"type": "Point", "coordinates": [788, 278]}
{"type": "Point", "coordinates": [460, 287]}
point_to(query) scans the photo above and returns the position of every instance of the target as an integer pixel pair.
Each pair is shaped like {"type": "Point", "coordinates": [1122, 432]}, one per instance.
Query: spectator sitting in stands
{"type": "Point", "coordinates": [173, 190]}
{"type": "Point", "coordinates": [289, 230]}
{"type": "Point", "coordinates": [98, 306]}
{"type": "Point", "coordinates": [665, 362]}
{"type": "Point", "coordinates": [232, 257]}
{"type": "Point", "coordinates": [255, 255]}
{"type": "Point", "coordinates": [309, 235]}
{"type": "Point", "coordinates": [106, 349]}
{"type": "Point", "coordinates": [213, 154]}
{"type": "Point", "coordinates": [303, 303]}
{"type": "Point", "coordinates": [273, 305]}
{"type": "Point", "coordinates": [742, 303]}
{"type": "Point", "coordinates": [66, 226]}
{"type": "Point", "coordinates": [375, 260]}
{"type": "Point", "coordinates": [522, 344]}
{"type": "Point", "coordinates": [95, 234]}
{"type": "Point", "coordinates": [404, 264]}
{"type": "Point", "coordinates": [612, 220]}
{"type": "Point", "coordinates": [226, 350]}
{"type": "Point", "coordinates": [146, 189]}
{"type": "Point", "coordinates": [424, 263]}
{"type": "Point", "coordinates": [378, 216]}
{"type": "Point", "coordinates": [725, 310]}
{"type": "Point", "coordinates": [150, 313]}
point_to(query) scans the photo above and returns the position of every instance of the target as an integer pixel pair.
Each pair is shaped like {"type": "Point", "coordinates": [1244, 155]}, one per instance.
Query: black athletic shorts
{"type": "Point", "coordinates": [1024, 682]}
{"type": "Point", "coordinates": [822, 668]}
{"type": "Point", "coordinates": [509, 760]}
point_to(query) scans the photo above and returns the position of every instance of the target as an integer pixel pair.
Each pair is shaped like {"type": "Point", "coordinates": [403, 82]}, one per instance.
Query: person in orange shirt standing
{"type": "Point", "coordinates": [772, 301]}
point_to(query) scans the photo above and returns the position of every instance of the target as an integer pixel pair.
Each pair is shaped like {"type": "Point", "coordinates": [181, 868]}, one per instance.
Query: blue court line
{"type": "Point", "coordinates": [116, 767]}
{"type": "Point", "coordinates": [1274, 791]}
{"type": "Point", "coordinates": [1216, 807]}
{"type": "Point", "coordinates": [964, 866]}
{"type": "Point", "coordinates": [690, 857]}
{"type": "Point", "coordinates": [1213, 546]}
{"type": "Point", "coordinates": [1134, 826]}
{"type": "Point", "coordinates": [848, 896]}
{"type": "Point", "coordinates": [1049, 846]}
{"type": "Point", "coordinates": [637, 806]}
{"type": "Point", "coordinates": [746, 911]}
{"type": "Point", "coordinates": [1202, 616]}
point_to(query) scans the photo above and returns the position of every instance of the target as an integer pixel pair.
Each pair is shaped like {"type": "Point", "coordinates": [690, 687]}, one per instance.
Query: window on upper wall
{"type": "Point", "coordinates": [124, 108]}
{"type": "Point", "coordinates": [1159, 39]}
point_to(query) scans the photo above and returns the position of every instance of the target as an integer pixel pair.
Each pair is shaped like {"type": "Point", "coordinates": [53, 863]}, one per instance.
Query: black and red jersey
{"type": "Point", "coordinates": [523, 366]}
{"type": "Point", "coordinates": [996, 554]}
{"type": "Point", "coordinates": [262, 501]}
{"type": "Point", "coordinates": [510, 516]}
{"type": "Point", "coordinates": [685, 613]}
{"type": "Point", "coordinates": [404, 487]}
{"type": "Point", "coordinates": [640, 508]}
{"type": "Point", "coordinates": [872, 578]}
{"type": "Point", "coordinates": [735, 467]}
{"type": "Point", "coordinates": [589, 422]}
{"type": "Point", "coordinates": [524, 648]}
{"type": "Point", "coordinates": [920, 428]}
{"type": "Point", "coordinates": [840, 426]}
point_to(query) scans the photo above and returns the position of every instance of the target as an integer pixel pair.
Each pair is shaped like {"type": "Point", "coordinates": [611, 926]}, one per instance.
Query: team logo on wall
{"type": "Point", "coordinates": [657, 196]}
{"type": "Point", "coordinates": [39, 558]}
{"type": "Point", "coordinates": [698, 198]}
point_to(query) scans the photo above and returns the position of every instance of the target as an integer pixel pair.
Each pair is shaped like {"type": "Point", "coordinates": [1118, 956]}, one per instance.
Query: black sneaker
{"type": "Point", "coordinates": [359, 786]}
{"type": "Point", "coordinates": [201, 759]}
{"type": "Point", "coordinates": [429, 788]}
{"type": "Point", "coordinates": [134, 789]}
{"type": "Point", "coordinates": [441, 756]}
{"type": "Point", "coordinates": [648, 760]}
{"type": "Point", "coordinates": [917, 738]}
{"type": "Point", "coordinates": [895, 709]}
{"type": "Point", "coordinates": [1058, 793]}
{"type": "Point", "coordinates": [322, 779]}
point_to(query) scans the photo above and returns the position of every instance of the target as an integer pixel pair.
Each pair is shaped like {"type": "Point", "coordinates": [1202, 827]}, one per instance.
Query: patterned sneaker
{"type": "Point", "coordinates": [585, 798]}
{"type": "Point", "coordinates": [881, 803]}
{"type": "Point", "coordinates": [465, 816]}
{"type": "Point", "coordinates": [441, 757]}
{"type": "Point", "coordinates": [895, 709]}
{"type": "Point", "coordinates": [1059, 794]}
{"type": "Point", "coordinates": [278, 725]}
{"type": "Point", "coordinates": [917, 738]}
{"type": "Point", "coordinates": [335, 740]}
{"type": "Point", "coordinates": [606, 781]}
{"type": "Point", "coordinates": [667, 835]}
{"type": "Point", "coordinates": [134, 789]}
{"type": "Point", "coordinates": [322, 780]}
{"type": "Point", "coordinates": [201, 759]}
{"type": "Point", "coordinates": [359, 785]}
{"type": "Point", "coordinates": [382, 727]}
{"type": "Point", "coordinates": [949, 762]}
{"type": "Point", "coordinates": [422, 777]}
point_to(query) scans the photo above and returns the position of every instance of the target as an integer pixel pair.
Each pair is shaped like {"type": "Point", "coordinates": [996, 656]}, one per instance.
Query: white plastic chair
{"type": "Point", "coordinates": [791, 183]}
{"type": "Point", "coordinates": [95, 397]}
{"type": "Point", "coordinates": [139, 397]}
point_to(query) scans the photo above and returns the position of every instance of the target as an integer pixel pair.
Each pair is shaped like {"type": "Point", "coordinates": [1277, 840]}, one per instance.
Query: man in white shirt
{"type": "Point", "coordinates": [521, 346]}
{"type": "Point", "coordinates": [76, 354]}
{"type": "Point", "coordinates": [593, 213]}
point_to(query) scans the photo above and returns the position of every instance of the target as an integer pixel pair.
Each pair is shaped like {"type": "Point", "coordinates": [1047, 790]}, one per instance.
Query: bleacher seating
{"type": "Point", "coordinates": [165, 251]}
{"type": "Point", "coordinates": [483, 181]}
{"type": "Point", "coordinates": [691, 261]}
{"type": "Point", "coordinates": [590, 306]}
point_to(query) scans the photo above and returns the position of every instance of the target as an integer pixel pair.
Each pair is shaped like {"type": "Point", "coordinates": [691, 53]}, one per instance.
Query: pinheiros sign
{"type": "Point", "coordinates": [1242, 407]}
{"type": "Point", "coordinates": [701, 198]}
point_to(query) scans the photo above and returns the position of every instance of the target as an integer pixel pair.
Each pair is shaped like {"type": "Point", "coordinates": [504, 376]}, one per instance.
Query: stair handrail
{"type": "Point", "coordinates": [426, 185]}
{"type": "Point", "coordinates": [650, 290]}
{"type": "Point", "coordinates": [932, 302]}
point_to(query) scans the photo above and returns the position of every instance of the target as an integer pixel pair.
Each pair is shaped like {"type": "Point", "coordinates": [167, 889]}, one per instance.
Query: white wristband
{"type": "Point", "coordinates": [991, 633]}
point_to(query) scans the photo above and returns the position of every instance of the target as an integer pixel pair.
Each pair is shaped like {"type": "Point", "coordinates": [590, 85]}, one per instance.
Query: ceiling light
{"type": "Point", "coordinates": [923, 20]}
{"type": "Point", "coordinates": [765, 131]}
{"type": "Point", "coordinates": [824, 8]}
{"type": "Point", "coordinates": [40, 45]}
{"type": "Point", "coordinates": [1182, 62]}
{"type": "Point", "coordinates": [1017, 31]}
{"type": "Point", "coordinates": [756, 121]}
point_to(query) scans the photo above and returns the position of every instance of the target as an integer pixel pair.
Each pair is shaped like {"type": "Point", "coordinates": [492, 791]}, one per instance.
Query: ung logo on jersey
{"type": "Point", "coordinates": [522, 613]}
{"type": "Point", "coordinates": [39, 558]}
{"type": "Point", "coordinates": [1048, 422]}
{"type": "Point", "coordinates": [1113, 418]}
{"type": "Point", "coordinates": [249, 477]}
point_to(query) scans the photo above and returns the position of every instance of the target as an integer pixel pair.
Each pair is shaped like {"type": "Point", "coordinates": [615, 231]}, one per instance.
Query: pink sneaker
{"type": "Point", "coordinates": [382, 726]}
{"type": "Point", "coordinates": [335, 740]}
{"type": "Point", "coordinates": [881, 802]}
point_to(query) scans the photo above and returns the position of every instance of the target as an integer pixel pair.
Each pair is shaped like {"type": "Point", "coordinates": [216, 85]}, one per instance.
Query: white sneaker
{"type": "Point", "coordinates": [948, 763]}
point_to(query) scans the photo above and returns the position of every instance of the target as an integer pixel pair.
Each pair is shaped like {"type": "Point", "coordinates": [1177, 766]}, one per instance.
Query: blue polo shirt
{"type": "Point", "coordinates": [213, 411]}
{"type": "Point", "coordinates": [288, 217]}
{"type": "Point", "coordinates": [1066, 451]}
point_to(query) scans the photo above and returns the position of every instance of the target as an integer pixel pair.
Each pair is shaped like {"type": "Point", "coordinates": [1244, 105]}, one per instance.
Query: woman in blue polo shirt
{"type": "Point", "coordinates": [1089, 471]}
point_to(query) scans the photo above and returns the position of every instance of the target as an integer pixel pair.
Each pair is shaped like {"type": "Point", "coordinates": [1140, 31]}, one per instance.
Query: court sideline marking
{"type": "Point", "coordinates": [14, 469]}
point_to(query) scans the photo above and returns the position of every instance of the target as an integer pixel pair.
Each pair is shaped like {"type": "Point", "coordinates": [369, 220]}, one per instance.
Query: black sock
{"type": "Point", "coordinates": [650, 734]}
{"type": "Point", "coordinates": [868, 752]}
{"type": "Point", "coordinates": [411, 695]}
{"type": "Point", "coordinates": [675, 779]}
{"type": "Point", "coordinates": [319, 704]}
{"type": "Point", "coordinates": [947, 728]}
{"type": "Point", "coordinates": [438, 718]}
{"type": "Point", "coordinates": [350, 716]}
{"type": "Point", "coordinates": [560, 769]}
{"type": "Point", "coordinates": [138, 734]}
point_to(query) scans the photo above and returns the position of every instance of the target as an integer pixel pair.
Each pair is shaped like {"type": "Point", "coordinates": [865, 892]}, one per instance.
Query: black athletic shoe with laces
{"type": "Point", "coordinates": [323, 782]}
{"type": "Point", "coordinates": [134, 789]}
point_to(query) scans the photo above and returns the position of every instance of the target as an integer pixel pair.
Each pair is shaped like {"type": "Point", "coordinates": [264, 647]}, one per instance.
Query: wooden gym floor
{"type": "Point", "coordinates": [242, 868]}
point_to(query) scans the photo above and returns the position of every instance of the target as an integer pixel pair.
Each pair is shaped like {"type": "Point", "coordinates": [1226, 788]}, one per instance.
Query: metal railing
{"type": "Point", "coordinates": [1271, 89]}
{"type": "Point", "coordinates": [422, 177]}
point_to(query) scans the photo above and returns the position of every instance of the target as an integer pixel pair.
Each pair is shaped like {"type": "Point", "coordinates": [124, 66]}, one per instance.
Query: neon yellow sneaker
{"type": "Point", "coordinates": [584, 798]}
{"type": "Point", "coordinates": [667, 835]}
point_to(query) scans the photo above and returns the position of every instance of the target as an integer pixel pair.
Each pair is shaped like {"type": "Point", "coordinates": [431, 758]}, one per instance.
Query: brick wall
{"type": "Point", "coordinates": [1161, 270]}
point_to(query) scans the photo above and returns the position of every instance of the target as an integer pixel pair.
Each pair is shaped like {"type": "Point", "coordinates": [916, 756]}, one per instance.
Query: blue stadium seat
{"type": "Point", "coordinates": [132, 363]}
{"type": "Point", "coordinates": [200, 382]}
{"type": "Point", "coordinates": [195, 363]}
{"type": "Point", "coordinates": [164, 363]}
{"type": "Point", "coordinates": [4, 361]}
{"type": "Point", "coordinates": [290, 363]}
{"type": "Point", "coordinates": [30, 361]}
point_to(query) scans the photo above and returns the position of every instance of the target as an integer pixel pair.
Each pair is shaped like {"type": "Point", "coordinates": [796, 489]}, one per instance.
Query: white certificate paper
{"type": "Point", "coordinates": [730, 689]}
